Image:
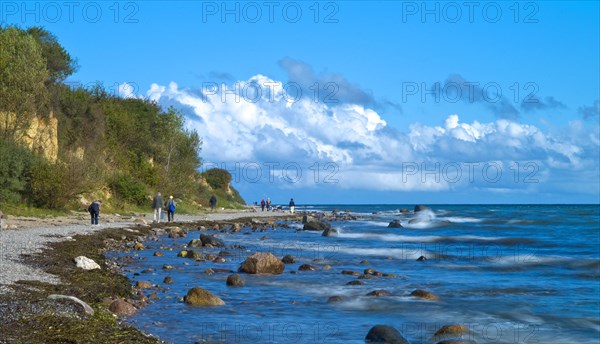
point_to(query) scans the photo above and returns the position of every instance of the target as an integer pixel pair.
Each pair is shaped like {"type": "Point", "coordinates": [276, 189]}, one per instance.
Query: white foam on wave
{"type": "Point", "coordinates": [423, 224]}
{"type": "Point", "coordinates": [426, 214]}
{"type": "Point", "coordinates": [420, 238]}
{"type": "Point", "coordinates": [390, 237]}
{"type": "Point", "coordinates": [375, 223]}
{"type": "Point", "coordinates": [296, 225]}
{"type": "Point", "coordinates": [460, 219]}
{"type": "Point", "coordinates": [526, 258]}
{"type": "Point", "coordinates": [399, 253]}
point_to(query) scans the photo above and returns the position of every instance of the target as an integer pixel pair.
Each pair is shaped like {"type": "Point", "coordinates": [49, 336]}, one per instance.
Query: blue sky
{"type": "Point", "coordinates": [516, 119]}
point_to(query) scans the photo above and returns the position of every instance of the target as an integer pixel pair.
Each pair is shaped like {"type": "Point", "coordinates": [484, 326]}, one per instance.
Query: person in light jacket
{"type": "Point", "coordinates": [157, 205]}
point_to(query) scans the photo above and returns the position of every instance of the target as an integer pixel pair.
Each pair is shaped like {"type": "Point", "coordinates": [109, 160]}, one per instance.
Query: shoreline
{"type": "Point", "coordinates": [38, 261]}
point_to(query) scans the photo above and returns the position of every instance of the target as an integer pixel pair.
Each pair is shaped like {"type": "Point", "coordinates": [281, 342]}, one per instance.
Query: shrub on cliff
{"type": "Point", "coordinates": [129, 190]}
{"type": "Point", "coordinates": [217, 178]}
{"type": "Point", "coordinates": [16, 164]}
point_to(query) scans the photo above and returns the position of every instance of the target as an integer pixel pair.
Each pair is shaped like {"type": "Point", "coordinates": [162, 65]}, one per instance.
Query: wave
{"type": "Point", "coordinates": [398, 253]}
{"type": "Point", "coordinates": [424, 224]}
{"type": "Point", "coordinates": [374, 223]}
{"type": "Point", "coordinates": [437, 238]}
{"type": "Point", "coordinates": [460, 219]}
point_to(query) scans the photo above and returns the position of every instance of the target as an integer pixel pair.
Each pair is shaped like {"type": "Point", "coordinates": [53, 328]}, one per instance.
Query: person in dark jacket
{"type": "Point", "coordinates": [213, 202]}
{"type": "Point", "coordinates": [157, 205]}
{"type": "Point", "coordinates": [94, 210]}
{"type": "Point", "coordinates": [292, 206]}
{"type": "Point", "coordinates": [262, 205]}
{"type": "Point", "coordinates": [171, 209]}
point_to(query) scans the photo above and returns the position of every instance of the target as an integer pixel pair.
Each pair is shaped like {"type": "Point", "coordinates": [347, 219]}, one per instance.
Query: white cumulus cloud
{"type": "Point", "coordinates": [255, 120]}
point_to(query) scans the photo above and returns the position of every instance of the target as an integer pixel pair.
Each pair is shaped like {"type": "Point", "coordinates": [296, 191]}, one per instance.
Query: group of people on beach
{"type": "Point", "coordinates": [157, 207]}
{"type": "Point", "coordinates": [267, 204]}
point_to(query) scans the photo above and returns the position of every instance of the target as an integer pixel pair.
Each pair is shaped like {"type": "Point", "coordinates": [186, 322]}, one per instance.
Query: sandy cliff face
{"type": "Point", "coordinates": [41, 136]}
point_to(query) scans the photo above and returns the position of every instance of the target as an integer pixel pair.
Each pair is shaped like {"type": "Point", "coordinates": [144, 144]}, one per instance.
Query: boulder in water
{"type": "Point", "coordinates": [202, 297]}
{"type": "Point", "coordinates": [379, 293]}
{"type": "Point", "coordinates": [421, 207]}
{"type": "Point", "coordinates": [307, 267]}
{"type": "Point", "coordinates": [143, 284]}
{"type": "Point", "coordinates": [330, 232]}
{"type": "Point", "coordinates": [351, 273]}
{"type": "Point", "coordinates": [235, 280]}
{"type": "Point", "coordinates": [385, 334]}
{"type": "Point", "coordinates": [196, 255]}
{"type": "Point", "coordinates": [317, 226]}
{"type": "Point", "coordinates": [307, 218]}
{"type": "Point", "coordinates": [288, 259]}
{"type": "Point", "coordinates": [424, 294]}
{"type": "Point", "coordinates": [196, 243]}
{"type": "Point", "coordinates": [211, 240]}
{"type": "Point", "coordinates": [355, 282]}
{"type": "Point", "coordinates": [262, 263]}
{"type": "Point", "coordinates": [395, 224]}
{"type": "Point", "coordinates": [449, 333]}
{"type": "Point", "coordinates": [335, 298]}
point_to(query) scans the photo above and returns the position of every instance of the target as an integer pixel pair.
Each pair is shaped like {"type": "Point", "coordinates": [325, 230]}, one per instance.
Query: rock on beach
{"type": "Point", "coordinates": [85, 263]}
{"type": "Point", "coordinates": [122, 308]}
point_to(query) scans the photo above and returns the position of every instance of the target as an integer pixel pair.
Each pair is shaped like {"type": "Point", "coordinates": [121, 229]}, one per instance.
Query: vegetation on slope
{"type": "Point", "coordinates": [118, 150]}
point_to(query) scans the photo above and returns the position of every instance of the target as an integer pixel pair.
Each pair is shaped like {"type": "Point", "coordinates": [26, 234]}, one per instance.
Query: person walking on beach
{"type": "Point", "coordinates": [268, 203]}
{"type": "Point", "coordinates": [262, 205]}
{"type": "Point", "coordinates": [94, 210]}
{"type": "Point", "coordinates": [292, 206]}
{"type": "Point", "coordinates": [171, 209]}
{"type": "Point", "coordinates": [157, 205]}
{"type": "Point", "coordinates": [213, 202]}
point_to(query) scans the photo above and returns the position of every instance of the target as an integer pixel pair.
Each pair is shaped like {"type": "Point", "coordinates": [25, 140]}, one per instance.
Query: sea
{"type": "Point", "coordinates": [507, 273]}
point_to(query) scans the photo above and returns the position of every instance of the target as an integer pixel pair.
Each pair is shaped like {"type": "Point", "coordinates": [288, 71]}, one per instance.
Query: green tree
{"type": "Point", "coordinates": [22, 75]}
{"type": "Point", "coordinates": [178, 153]}
{"type": "Point", "coordinates": [58, 61]}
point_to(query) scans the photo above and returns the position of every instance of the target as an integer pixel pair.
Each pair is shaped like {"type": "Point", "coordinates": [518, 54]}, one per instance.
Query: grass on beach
{"type": "Point", "coordinates": [27, 211]}
{"type": "Point", "coordinates": [183, 207]}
